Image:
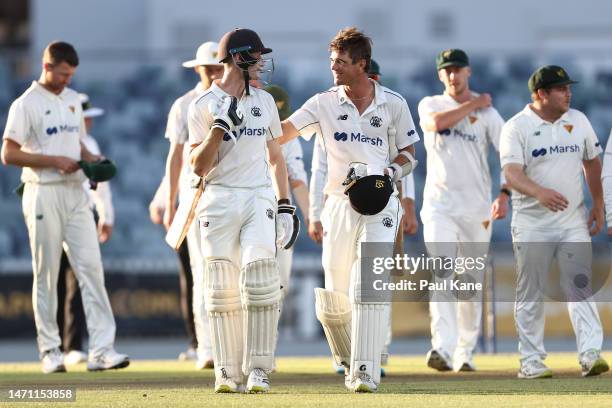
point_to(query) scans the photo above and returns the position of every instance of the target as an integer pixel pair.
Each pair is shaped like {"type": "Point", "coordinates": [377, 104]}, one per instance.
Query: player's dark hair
{"type": "Point", "coordinates": [355, 43]}
{"type": "Point", "coordinates": [59, 51]}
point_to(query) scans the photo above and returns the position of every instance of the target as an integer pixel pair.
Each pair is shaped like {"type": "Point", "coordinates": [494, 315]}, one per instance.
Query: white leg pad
{"type": "Point", "coordinates": [334, 313]}
{"type": "Point", "coordinates": [370, 325]}
{"type": "Point", "coordinates": [261, 297]}
{"type": "Point", "coordinates": [222, 300]}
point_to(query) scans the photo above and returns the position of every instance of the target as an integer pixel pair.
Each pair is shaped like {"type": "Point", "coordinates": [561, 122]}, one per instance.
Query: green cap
{"type": "Point", "coordinates": [548, 76]}
{"type": "Point", "coordinates": [281, 97]}
{"type": "Point", "coordinates": [374, 68]}
{"type": "Point", "coordinates": [102, 170]}
{"type": "Point", "coordinates": [453, 57]}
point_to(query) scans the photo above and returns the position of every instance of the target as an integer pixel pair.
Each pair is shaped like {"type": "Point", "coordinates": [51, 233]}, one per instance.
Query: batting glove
{"type": "Point", "coordinates": [226, 115]}
{"type": "Point", "coordinates": [287, 225]}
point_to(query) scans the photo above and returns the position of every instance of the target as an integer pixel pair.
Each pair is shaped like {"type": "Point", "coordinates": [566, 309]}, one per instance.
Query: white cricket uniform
{"type": "Point", "coordinates": [177, 132]}
{"type": "Point", "coordinates": [606, 180]}
{"type": "Point", "coordinates": [551, 155]}
{"type": "Point", "coordinates": [456, 212]}
{"type": "Point", "coordinates": [101, 198]}
{"type": "Point", "coordinates": [293, 154]}
{"type": "Point", "coordinates": [56, 211]}
{"type": "Point", "coordinates": [350, 137]}
{"type": "Point", "coordinates": [236, 212]}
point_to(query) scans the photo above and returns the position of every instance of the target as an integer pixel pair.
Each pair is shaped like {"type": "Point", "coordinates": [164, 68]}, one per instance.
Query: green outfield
{"type": "Point", "coordinates": [310, 382]}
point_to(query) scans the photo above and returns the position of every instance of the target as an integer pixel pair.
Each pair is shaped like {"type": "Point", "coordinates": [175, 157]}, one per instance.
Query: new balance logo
{"type": "Point", "coordinates": [538, 152]}
{"type": "Point", "coordinates": [341, 136]}
{"type": "Point", "coordinates": [343, 117]}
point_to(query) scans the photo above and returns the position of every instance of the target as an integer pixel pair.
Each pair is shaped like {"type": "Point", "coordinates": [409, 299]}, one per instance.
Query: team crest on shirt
{"type": "Point", "coordinates": [569, 128]}
{"type": "Point", "coordinates": [376, 121]}
{"type": "Point", "coordinates": [72, 108]}
{"type": "Point", "coordinates": [255, 111]}
{"type": "Point", "coordinates": [472, 119]}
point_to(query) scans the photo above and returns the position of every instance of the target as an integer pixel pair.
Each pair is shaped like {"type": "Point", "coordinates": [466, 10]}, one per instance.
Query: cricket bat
{"type": "Point", "coordinates": [185, 213]}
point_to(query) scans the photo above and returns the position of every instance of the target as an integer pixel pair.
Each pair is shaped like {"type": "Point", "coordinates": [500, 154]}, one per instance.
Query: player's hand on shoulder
{"type": "Point", "coordinates": [552, 200]}
{"type": "Point", "coordinates": [226, 114]}
{"type": "Point", "coordinates": [482, 101]}
{"type": "Point", "coordinates": [65, 165]}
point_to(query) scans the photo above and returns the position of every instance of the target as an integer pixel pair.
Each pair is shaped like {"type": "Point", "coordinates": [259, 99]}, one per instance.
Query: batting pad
{"type": "Point", "coordinates": [261, 297]}
{"type": "Point", "coordinates": [222, 300]}
{"type": "Point", "coordinates": [334, 313]}
{"type": "Point", "coordinates": [370, 321]}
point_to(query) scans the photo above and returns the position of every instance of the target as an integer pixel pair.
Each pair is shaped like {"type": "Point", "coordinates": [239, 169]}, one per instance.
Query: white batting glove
{"type": "Point", "coordinates": [287, 225]}
{"type": "Point", "coordinates": [226, 115]}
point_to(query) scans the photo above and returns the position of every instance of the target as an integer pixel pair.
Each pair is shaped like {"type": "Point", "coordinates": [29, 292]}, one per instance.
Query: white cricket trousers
{"type": "Point", "coordinates": [59, 214]}
{"type": "Point", "coordinates": [534, 251]}
{"type": "Point", "coordinates": [455, 325]}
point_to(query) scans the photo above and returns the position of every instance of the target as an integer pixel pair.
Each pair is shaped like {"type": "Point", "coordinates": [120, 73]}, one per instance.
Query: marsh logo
{"type": "Point", "coordinates": [538, 152]}
{"type": "Point", "coordinates": [445, 132]}
{"type": "Point", "coordinates": [245, 132]}
{"type": "Point", "coordinates": [556, 150]}
{"type": "Point", "coordinates": [458, 133]}
{"type": "Point", "coordinates": [255, 111]}
{"type": "Point", "coordinates": [51, 130]}
{"type": "Point", "coordinates": [358, 137]}
{"type": "Point", "coordinates": [411, 132]}
{"type": "Point", "coordinates": [63, 128]}
{"type": "Point", "coordinates": [376, 121]}
{"type": "Point", "coordinates": [340, 136]}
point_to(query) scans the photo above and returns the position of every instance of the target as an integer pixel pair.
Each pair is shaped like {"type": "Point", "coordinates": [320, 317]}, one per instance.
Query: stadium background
{"type": "Point", "coordinates": [130, 65]}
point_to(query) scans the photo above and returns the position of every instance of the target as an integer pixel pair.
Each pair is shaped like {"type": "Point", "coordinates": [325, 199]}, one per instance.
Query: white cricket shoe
{"type": "Point", "coordinates": [53, 361]}
{"type": "Point", "coordinates": [108, 360]}
{"type": "Point", "coordinates": [364, 383]}
{"type": "Point", "coordinates": [188, 355]}
{"type": "Point", "coordinates": [592, 363]}
{"type": "Point", "coordinates": [534, 369]}
{"type": "Point", "coordinates": [463, 361]}
{"type": "Point", "coordinates": [74, 357]}
{"type": "Point", "coordinates": [439, 360]}
{"type": "Point", "coordinates": [258, 381]}
{"type": "Point", "coordinates": [226, 385]}
{"type": "Point", "coordinates": [205, 360]}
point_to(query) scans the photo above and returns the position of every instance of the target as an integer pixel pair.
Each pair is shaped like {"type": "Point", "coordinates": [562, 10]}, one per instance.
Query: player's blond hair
{"type": "Point", "coordinates": [355, 43]}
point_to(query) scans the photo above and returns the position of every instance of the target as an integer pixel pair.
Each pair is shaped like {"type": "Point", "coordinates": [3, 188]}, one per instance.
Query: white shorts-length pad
{"type": "Point", "coordinates": [261, 297]}
{"type": "Point", "coordinates": [57, 214]}
{"type": "Point", "coordinates": [222, 299]}
{"type": "Point", "coordinates": [334, 312]}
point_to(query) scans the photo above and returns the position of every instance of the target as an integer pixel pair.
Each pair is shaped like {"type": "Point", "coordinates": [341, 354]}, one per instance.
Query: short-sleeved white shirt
{"type": "Point", "coordinates": [48, 124]}
{"type": "Point", "coordinates": [243, 164]}
{"type": "Point", "coordinates": [294, 158]}
{"type": "Point", "coordinates": [458, 178]}
{"type": "Point", "coordinates": [177, 129]}
{"type": "Point", "coordinates": [349, 137]}
{"type": "Point", "coordinates": [551, 155]}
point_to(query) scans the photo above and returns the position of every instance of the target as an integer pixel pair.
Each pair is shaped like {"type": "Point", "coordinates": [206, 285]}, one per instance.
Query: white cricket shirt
{"type": "Point", "coordinates": [551, 155]}
{"type": "Point", "coordinates": [458, 180]}
{"type": "Point", "coordinates": [48, 124]}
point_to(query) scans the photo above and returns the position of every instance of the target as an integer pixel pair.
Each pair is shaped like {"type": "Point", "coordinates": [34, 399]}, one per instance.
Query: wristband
{"type": "Point", "coordinates": [284, 201]}
{"type": "Point", "coordinates": [506, 192]}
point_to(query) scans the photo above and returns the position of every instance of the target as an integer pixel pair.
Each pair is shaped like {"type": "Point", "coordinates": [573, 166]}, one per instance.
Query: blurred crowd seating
{"type": "Point", "coordinates": [132, 134]}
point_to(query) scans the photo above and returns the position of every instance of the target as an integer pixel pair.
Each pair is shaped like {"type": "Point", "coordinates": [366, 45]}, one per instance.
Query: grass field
{"type": "Point", "coordinates": [310, 382]}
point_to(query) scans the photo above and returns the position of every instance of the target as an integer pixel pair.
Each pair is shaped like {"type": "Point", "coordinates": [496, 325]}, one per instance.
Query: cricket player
{"type": "Point", "coordinates": [44, 134]}
{"type": "Point", "coordinates": [544, 151]}
{"type": "Point", "coordinates": [317, 197]}
{"type": "Point", "coordinates": [71, 319]}
{"type": "Point", "coordinates": [232, 131]}
{"type": "Point", "coordinates": [457, 209]}
{"type": "Point", "coordinates": [353, 120]}
{"type": "Point", "coordinates": [178, 174]}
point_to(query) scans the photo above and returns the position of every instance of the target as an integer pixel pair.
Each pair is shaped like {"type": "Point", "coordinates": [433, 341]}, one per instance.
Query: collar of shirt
{"type": "Point", "coordinates": [44, 91]}
{"type": "Point", "coordinates": [216, 89]}
{"type": "Point", "coordinates": [539, 121]}
{"type": "Point", "coordinates": [199, 88]}
{"type": "Point", "coordinates": [379, 94]}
